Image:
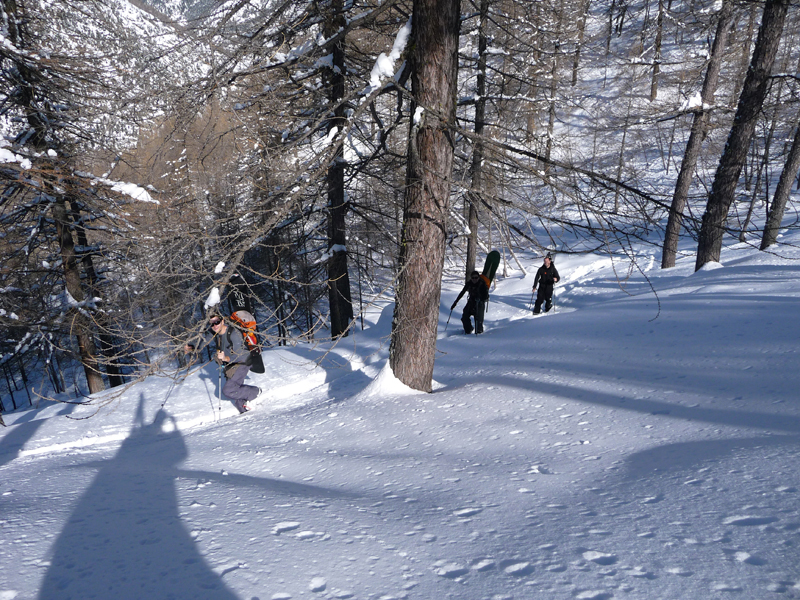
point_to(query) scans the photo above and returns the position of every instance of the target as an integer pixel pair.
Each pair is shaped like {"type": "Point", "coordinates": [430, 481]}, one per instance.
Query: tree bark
{"type": "Point", "coordinates": [339, 296]}
{"type": "Point", "coordinates": [72, 278]}
{"type": "Point", "coordinates": [582, 18]}
{"type": "Point", "coordinates": [657, 51]}
{"type": "Point", "coordinates": [781, 197]}
{"type": "Point", "coordinates": [111, 360]}
{"type": "Point", "coordinates": [434, 61]}
{"type": "Point", "coordinates": [751, 100]}
{"type": "Point", "coordinates": [696, 138]}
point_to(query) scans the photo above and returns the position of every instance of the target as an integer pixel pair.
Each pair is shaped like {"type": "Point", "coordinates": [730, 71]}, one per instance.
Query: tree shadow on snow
{"type": "Point", "coordinates": [686, 455]}
{"type": "Point", "coordinates": [11, 443]}
{"type": "Point", "coordinates": [746, 419]}
{"type": "Point", "coordinates": [22, 430]}
{"type": "Point", "coordinates": [125, 538]}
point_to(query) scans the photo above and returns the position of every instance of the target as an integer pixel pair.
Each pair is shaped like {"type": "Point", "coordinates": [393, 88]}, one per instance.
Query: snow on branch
{"type": "Point", "coordinates": [384, 65]}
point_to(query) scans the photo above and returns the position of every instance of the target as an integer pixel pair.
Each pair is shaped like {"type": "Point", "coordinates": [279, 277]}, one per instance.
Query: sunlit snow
{"type": "Point", "coordinates": [622, 446]}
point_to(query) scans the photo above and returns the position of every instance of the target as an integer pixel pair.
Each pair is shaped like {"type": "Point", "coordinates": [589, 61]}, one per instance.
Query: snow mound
{"type": "Point", "coordinates": [386, 384]}
{"type": "Point", "coordinates": [710, 266]}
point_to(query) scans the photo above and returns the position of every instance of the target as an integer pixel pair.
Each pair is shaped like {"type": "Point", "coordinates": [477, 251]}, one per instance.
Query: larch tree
{"type": "Point", "coordinates": [779, 201]}
{"type": "Point", "coordinates": [754, 91]}
{"type": "Point", "coordinates": [474, 195]}
{"type": "Point", "coordinates": [696, 136]}
{"type": "Point", "coordinates": [434, 63]}
{"type": "Point", "coordinates": [339, 297]}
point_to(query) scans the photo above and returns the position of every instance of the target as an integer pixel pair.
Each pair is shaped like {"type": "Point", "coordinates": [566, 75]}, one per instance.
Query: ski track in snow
{"type": "Point", "coordinates": [593, 455]}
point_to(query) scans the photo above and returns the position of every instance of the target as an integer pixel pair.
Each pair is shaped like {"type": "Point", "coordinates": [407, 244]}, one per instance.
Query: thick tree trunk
{"type": "Point", "coordinates": [788, 176]}
{"type": "Point", "coordinates": [430, 162]}
{"type": "Point", "coordinates": [339, 297]}
{"type": "Point", "coordinates": [696, 138]}
{"type": "Point", "coordinates": [751, 100]}
{"type": "Point", "coordinates": [478, 150]}
{"type": "Point", "coordinates": [72, 278]}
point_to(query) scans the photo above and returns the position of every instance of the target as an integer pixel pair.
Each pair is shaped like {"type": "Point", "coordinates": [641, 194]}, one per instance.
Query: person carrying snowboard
{"type": "Point", "coordinates": [233, 355]}
{"type": "Point", "coordinates": [547, 277]}
{"type": "Point", "coordinates": [478, 296]}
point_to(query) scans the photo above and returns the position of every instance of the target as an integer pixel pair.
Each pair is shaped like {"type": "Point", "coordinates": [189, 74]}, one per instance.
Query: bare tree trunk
{"type": "Point", "coordinates": [551, 111]}
{"type": "Point", "coordinates": [339, 297]}
{"type": "Point", "coordinates": [477, 150]}
{"type": "Point", "coordinates": [72, 277]}
{"type": "Point", "coordinates": [696, 138]}
{"type": "Point", "coordinates": [111, 360]}
{"type": "Point", "coordinates": [762, 173]}
{"type": "Point", "coordinates": [744, 60]}
{"type": "Point", "coordinates": [788, 175]}
{"type": "Point", "coordinates": [657, 51]}
{"type": "Point", "coordinates": [751, 100]}
{"type": "Point", "coordinates": [430, 162]}
{"type": "Point", "coordinates": [578, 46]}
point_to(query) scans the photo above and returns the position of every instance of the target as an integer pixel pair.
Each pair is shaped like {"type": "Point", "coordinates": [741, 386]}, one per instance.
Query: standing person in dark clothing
{"type": "Point", "coordinates": [234, 355]}
{"type": "Point", "coordinates": [547, 277]}
{"type": "Point", "coordinates": [478, 296]}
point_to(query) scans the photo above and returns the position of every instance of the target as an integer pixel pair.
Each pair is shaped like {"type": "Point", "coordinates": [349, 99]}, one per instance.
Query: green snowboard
{"type": "Point", "coordinates": [490, 267]}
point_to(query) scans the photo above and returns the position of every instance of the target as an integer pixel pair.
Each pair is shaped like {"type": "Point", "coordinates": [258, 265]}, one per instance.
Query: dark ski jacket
{"type": "Point", "coordinates": [477, 291]}
{"type": "Point", "coordinates": [547, 275]}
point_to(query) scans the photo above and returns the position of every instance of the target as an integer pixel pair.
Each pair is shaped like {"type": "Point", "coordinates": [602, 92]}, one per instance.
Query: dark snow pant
{"type": "Point", "coordinates": [545, 296]}
{"type": "Point", "coordinates": [473, 309]}
{"type": "Point", "coordinates": [235, 388]}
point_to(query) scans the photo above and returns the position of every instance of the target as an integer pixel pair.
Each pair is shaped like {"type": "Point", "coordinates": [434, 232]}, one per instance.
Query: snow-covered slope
{"type": "Point", "coordinates": [626, 445]}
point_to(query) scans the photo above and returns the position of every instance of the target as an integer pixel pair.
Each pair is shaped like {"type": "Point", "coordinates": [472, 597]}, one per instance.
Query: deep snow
{"type": "Point", "coordinates": [627, 445]}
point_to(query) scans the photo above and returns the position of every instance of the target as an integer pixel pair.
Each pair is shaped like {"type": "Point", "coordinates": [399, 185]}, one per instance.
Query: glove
{"type": "Point", "coordinates": [454, 306]}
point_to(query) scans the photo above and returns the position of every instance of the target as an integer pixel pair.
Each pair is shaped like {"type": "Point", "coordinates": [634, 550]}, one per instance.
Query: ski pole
{"type": "Point", "coordinates": [530, 304]}
{"type": "Point", "coordinates": [448, 319]}
{"type": "Point", "coordinates": [219, 391]}
{"type": "Point", "coordinates": [554, 299]}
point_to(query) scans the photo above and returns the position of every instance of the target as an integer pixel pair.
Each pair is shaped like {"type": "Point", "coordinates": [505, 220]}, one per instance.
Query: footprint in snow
{"type": "Point", "coordinates": [318, 584]}
{"type": "Point", "coordinates": [482, 564]}
{"type": "Point", "coordinates": [746, 557]}
{"type": "Point", "coordinates": [642, 573]}
{"type": "Point", "coordinates": [466, 512]}
{"type": "Point", "coordinates": [516, 569]}
{"type": "Point", "coordinates": [601, 558]}
{"type": "Point", "coordinates": [749, 520]}
{"type": "Point", "coordinates": [594, 595]}
{"type": "Point", "coordinates": [450, 570]}
{"type": "Point", "coordinates": [726, 587]}
{"type": "Point", "coordinates": [653, 499]}
{"type": "Point", "coordinates": [284, 527]}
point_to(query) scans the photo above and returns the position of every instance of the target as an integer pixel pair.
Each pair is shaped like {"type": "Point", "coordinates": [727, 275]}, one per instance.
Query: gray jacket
{"type": "Point", "coordinates": [232, 343]}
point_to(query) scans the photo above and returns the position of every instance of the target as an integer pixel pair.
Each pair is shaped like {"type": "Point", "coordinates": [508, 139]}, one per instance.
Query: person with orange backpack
{"type": "Point", "coordinates": [477, 290]}
{"type": "Point", "coordinates": [234, 355]}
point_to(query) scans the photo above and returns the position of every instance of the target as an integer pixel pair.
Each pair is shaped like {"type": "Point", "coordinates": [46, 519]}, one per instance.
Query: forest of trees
{"type": "Point", "coordinates": [330, 152]}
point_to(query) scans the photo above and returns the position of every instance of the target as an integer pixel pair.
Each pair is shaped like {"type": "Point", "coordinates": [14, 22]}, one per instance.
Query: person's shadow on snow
{"type": "Point", "coordinates": [125, 538]}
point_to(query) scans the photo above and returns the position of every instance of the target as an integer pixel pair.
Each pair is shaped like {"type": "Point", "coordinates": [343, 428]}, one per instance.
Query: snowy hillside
{"type": "Point", "coordinates": [626, 445]}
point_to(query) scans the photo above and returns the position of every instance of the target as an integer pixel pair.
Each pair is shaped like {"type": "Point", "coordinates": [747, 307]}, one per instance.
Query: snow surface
{"type": "Point", "coordinates": [625, 445]}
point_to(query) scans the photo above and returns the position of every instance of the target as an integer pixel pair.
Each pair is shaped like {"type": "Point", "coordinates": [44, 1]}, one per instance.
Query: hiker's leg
{"type": "Point", "coordinates": [235, 388]}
